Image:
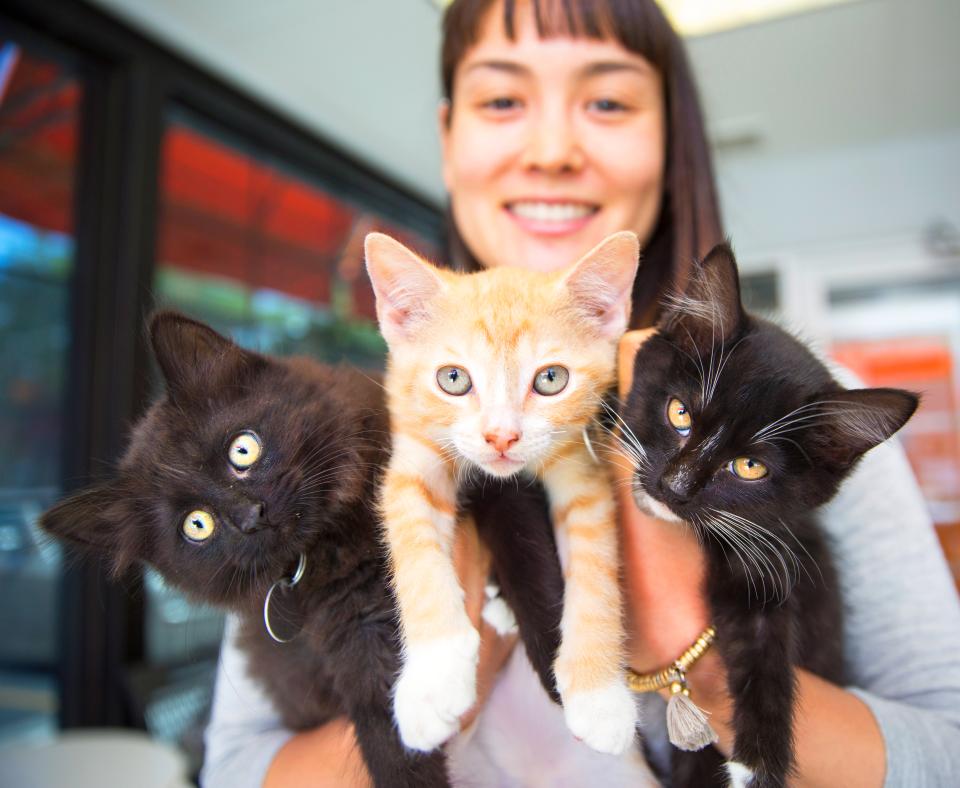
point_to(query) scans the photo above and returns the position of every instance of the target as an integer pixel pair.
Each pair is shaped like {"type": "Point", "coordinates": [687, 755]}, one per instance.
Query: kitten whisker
{"type": "Point", "coordinates": [772, 547]}
{"type": "Point", "coordinates": [721, 365]}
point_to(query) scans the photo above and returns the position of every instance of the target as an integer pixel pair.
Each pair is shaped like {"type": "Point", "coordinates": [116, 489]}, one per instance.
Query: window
{"type": "Point", "coordinates": [39, 113]}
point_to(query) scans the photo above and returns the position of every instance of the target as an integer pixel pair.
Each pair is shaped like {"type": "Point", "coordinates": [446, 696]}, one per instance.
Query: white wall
{"type": "Point", "coordinates": [836, 126]}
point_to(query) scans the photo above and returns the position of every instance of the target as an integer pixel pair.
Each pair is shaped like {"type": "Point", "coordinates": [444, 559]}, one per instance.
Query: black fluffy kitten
{"type": "Point", "coordinates": [737, 429]}
{"type": "Point", "coordinates": [246, 463]}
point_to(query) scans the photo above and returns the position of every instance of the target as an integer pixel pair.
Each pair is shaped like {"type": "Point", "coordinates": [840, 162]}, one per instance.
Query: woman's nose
{"type": "Point", "coordinates": [552, 145]}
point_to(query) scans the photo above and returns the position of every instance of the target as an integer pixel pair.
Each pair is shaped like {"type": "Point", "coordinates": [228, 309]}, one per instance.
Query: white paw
{"type": "Point", "coordinates": [497, 613]}
{"type": "Point", "coordinates": [605, 719]}
{"type": "Point", "coordinates": [438, 683]}
{"type": "Point", "coordinates": [740, 775]}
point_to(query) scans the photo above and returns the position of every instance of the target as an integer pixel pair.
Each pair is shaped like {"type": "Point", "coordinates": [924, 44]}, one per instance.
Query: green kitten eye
{"type": "Point", "coordinates": [454, 380]}
{"type": "Point", "coordinates": [551, 380]}
{"type": "Point", "coordinates": [679, 417]}
{"type": "Point", "coordinates": [245, 450]}
{"type": "Point", "coordinates": [748, 468]}
{"type": "Point", "coordinates": [198, 526]}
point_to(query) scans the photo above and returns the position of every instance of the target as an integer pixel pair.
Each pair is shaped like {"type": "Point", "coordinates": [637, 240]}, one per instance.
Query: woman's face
{"type": "Point", "coordinates": [551, 145]}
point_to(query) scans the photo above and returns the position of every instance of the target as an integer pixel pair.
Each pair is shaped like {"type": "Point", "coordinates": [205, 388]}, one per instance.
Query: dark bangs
{"type": "Point", "coordinates": [638, 25]}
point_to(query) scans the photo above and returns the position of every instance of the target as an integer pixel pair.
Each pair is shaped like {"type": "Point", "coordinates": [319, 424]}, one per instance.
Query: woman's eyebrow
{"type": "Point", "coordinates": [507, 66]}
{"type": "Point", "coordinates": [613, 66]}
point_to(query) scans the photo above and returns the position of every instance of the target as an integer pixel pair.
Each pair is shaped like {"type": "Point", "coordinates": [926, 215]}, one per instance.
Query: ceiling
{"type": "Point", "coordinates": [363, 74]}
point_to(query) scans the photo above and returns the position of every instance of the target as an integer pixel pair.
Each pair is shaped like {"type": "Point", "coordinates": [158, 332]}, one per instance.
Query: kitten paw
{"type": "Point", "coordinates": [497, 613]}
{"type": "Point", "coordinates": [740, 775]}
{"type": "Point", "coordinates": [437, 685]}
{"type": "Point", "coordinates": [605, 719]}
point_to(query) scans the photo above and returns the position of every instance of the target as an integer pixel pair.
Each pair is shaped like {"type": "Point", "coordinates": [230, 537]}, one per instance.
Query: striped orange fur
{"type": "Point", "coordinates": [500, 328]}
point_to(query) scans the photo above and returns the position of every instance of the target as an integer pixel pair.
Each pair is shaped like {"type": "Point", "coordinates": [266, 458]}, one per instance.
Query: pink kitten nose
{"type": "Point", "coordinates": [501, 440]}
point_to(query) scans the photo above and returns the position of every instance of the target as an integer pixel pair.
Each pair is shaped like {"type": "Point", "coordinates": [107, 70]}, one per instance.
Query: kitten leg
{"type": "Point", "coordinates": [497, 613]}
{"type": "Point", "coordinates": [758, 647]}
{"type": "Point", "coordinates": [390, 764]}
{"type": "Point", "coordinates": [598, 707]}
{"type": "Point", "coordinates": [514, 523]}
{"type": "Point", "coordinates": [704, 768]}
{"type": "Point", "coordinates": [366, 653]}
{"type": "Point", "coordinates": [437, 683]}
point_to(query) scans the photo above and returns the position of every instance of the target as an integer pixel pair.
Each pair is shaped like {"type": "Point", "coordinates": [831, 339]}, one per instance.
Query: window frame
{"type": "Point", "coordinates": [129, 85]}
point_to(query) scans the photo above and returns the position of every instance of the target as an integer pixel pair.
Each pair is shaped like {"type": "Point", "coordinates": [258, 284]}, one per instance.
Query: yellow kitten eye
{"type": "Point", "coordinates": [679, 417]}
{"type": "Point", "coordinates": [198, 526]}
{"type": "Point", "coordinates": [748, 468]}
{"type": "Point", "coordinates": [551, 380]}
{"type": "Point", "coordinates": [245, 450]}
{"type": "Point", "coordinates": [454, 380]}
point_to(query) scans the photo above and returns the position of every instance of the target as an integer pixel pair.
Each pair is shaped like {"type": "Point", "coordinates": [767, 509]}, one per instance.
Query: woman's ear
{"type": "Point", "coordinates": [626, 353]}
{"type": "Point", "coordinates": [443, 129]}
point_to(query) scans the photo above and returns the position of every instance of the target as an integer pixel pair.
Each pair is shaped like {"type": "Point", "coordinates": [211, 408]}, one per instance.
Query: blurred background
{"type": "Point", "coordinates": [227, 159]}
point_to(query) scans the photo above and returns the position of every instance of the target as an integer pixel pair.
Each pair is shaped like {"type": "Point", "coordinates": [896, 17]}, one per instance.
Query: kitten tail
{"type": "Point", "coordinates": [687, 724]}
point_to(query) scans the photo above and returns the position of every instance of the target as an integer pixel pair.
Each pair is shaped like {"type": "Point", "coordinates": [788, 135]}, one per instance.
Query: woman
{"type": "Point", "coordinates": [564, 122]}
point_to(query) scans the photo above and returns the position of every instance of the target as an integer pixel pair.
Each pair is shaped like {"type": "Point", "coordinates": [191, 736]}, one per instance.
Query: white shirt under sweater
{"type": "Point", "coordinates": [901, 645]}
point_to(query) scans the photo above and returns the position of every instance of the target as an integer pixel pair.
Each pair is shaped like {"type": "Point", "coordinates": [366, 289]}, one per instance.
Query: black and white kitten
{"type": "Point", "coordinates": [736, 429]}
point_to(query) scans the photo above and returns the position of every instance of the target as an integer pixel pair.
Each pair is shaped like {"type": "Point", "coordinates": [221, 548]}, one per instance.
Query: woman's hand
{"type": "Point", "coordinates": [665, 603]}
{"type": "Point", "coordinates": [664, 565]}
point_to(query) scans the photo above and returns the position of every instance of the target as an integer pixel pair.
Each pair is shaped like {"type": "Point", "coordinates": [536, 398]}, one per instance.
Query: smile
{"type": "Point", "coordinates": [558, 212]}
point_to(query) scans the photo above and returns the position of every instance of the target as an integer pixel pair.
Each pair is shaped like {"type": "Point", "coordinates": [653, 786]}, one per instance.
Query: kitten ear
{"type": "Point", "coordinates": [403, 283]}
{"type": "Point", "coordinates": [709, 308]}
{"type": "Point", "coordinates": [97, 520]}
{"type": "Point", "coordinates": [193, 357]}
{"type": "Point", "coordinates": [856, 421]}
{"type": "Point", "coordinates": [601, 282]}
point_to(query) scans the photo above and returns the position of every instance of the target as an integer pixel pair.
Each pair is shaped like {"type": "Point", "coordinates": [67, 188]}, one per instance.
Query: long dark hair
{"type": "Point", "coordinates": [689, 222]}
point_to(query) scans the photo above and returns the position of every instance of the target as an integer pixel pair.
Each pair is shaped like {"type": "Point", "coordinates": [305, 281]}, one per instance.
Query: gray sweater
{"type": "Point", "coordinates": [901, 642]}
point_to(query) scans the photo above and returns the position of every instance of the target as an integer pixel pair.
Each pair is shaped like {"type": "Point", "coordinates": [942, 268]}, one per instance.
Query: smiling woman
{"type": "Point", "coordinates": [564, 121]}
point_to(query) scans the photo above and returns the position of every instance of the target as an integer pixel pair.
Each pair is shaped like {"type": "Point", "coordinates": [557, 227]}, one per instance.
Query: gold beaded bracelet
{"type": "Point", "coordinates": [687, 724]}
{"type": "Point", "coordinates": [651, 682]}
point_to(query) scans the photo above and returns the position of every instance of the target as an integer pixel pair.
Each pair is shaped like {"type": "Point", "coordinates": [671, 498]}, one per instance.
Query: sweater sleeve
{"type": "Point", "coordinates": [245, 731]}
{"type": "Point", "coordinates": [902, 625]}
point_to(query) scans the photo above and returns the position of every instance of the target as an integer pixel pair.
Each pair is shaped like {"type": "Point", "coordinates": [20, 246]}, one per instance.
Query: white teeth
{"type": "Point", "coordinates": [551, 211]}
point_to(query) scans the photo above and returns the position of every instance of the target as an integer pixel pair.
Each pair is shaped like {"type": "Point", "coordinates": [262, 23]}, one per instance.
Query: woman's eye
{"type": "Point", "coordinates": [198, 526]}
{"type": "Point", "coordinates": [551, 380]}
{"type": "Point", "coordinates": [607, 105]}
{"type": "Point", "coordinates": [679, 417]}
{"type": "Point", "coordinates": [245, 450]}
{"type": "Point", "coordinates": [454, 380]}
{"type": "Point", "coordinates": [501, 104]}
{"type": "Point", "coordinates": [748, 468]}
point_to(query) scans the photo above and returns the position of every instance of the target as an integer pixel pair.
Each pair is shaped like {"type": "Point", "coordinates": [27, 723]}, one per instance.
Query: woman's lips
{"type": "Point", "coordinates": [551, 217]}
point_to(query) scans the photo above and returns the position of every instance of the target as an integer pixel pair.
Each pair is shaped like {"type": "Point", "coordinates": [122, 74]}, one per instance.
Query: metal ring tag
{"type": "Point", "coordinates": [287, 613]}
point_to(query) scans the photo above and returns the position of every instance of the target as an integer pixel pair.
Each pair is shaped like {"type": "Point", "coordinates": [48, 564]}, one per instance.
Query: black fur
{"type": "Point", "coordinates": [325, 435]}
{"type": "Point", "coordinates": [737, 374]}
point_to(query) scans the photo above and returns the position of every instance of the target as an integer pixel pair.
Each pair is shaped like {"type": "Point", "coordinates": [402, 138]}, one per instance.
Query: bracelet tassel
{"type": "Point", "coordinates": [687, 724]}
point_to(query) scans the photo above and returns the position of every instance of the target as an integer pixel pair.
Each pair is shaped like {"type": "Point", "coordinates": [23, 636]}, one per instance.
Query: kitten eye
{"type": "Point", "coordinates": [748, 468]}
{"type": "Point", "coordinates": [679, 417]}
{"type": "Point", "coordinates": [454, 380]}
{"type": "Point", "coordinates": [198, 526]}
{"type": "Point", "coordinates": [551, 380]}
{"type": "Point", "coordinates": [245, 450]}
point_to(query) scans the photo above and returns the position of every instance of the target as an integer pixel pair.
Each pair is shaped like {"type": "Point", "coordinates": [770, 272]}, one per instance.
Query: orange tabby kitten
{"type": "Point", "coordinates": [502, 370]}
